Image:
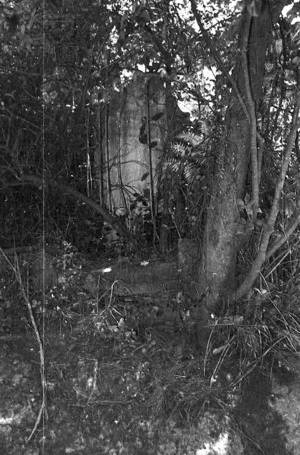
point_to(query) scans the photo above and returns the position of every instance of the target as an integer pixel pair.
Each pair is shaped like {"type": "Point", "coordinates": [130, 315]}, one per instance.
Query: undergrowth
{"type": "Point", "coordinates": [138, 361]}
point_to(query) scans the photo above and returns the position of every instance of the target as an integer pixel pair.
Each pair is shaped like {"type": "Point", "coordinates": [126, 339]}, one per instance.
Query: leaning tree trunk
{"type": "Point", "coordinates": [217, 270]}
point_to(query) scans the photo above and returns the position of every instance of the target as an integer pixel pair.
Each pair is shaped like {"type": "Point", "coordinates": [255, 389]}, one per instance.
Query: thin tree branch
{"type": "Point", "coordinates": [152, 199]}
{"type": "Point", "coordinates": [115, 222]}
{"type": "Point", "coordinates": [218, 59]}
{"type": "Point", "coordinates": [252, 114]}
{"type": "Point", "coordinates": [43, 408]}
{"type": "Point", "coordinates": [269, 225]}
{"type": "Point", "coordinates": [260, 152]}
{"type": "Point", "coordinates": [284, 237]}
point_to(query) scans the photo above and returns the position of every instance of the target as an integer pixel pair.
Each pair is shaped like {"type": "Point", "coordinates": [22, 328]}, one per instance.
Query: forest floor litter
{"type": "Point", "coordinates": [124, 375]}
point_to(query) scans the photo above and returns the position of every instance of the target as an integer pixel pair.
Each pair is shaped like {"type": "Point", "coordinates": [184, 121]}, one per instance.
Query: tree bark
{"type": "Point", "coordinates": [217, 270]}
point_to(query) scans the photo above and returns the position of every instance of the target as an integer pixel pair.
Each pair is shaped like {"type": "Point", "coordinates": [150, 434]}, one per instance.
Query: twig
{"type": "Point", "coordinates": [218, 59]}
{"type": "Point", "coordinates": [252, 114]}
{"type": "Point", "coordinates": [270, 223]}
{"type": "Point", "coordinates": [283, 238]}
{"type": "Point", "coordinates": [43, 410]}
{"type": "Point", "coordinates": [152, 197]}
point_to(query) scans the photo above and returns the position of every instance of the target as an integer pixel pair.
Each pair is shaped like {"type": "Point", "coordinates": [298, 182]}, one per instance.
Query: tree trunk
{"type": "Point", "coordinates": [136, 130]}
{"type": "Point", "coordinates": [217, 270]}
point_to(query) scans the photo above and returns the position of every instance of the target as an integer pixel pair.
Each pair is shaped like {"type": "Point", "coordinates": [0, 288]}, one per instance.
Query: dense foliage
{"type": "Point", "coordinates": [60, 64]}
{"type": "Point", "coordinates": [134, 360]}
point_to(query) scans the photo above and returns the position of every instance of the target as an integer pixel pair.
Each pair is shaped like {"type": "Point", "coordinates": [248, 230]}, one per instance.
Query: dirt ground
{"type": "Point", "coordinates": [125, 375]}
{"type": "Point", "coordinates": [103, 396]}
{"type": "Point", "coordinates": [116, 397]}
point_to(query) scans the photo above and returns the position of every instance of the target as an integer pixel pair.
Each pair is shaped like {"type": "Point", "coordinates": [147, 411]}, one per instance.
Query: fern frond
{"type": "Point", "coordinates": [189, 173]}
{"type": "Point", "coordinates": [171, 165]}
{"type": "Point", "coordinates": [190, 138]}
{"type": "Point", "coordinates": [180, 149]}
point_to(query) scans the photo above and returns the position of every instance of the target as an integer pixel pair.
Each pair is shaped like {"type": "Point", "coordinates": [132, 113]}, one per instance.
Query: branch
{"type": "Point", "coordinates": [218, 59]}
{"type": "Point", "coordinates": [43, 408]}
{"type": "Point", "coordinates": [260, 152]}
{"type": "Point", "coordinates": [252, 114]}
{"type": "Point", "coordinates": [269, 225]}
{"type": "Point", "coordinates": [152, 198]}
{"type": "Point", "coordinates": [284, 237]}
{"type": "Point", "coordinates": [115, 222]}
